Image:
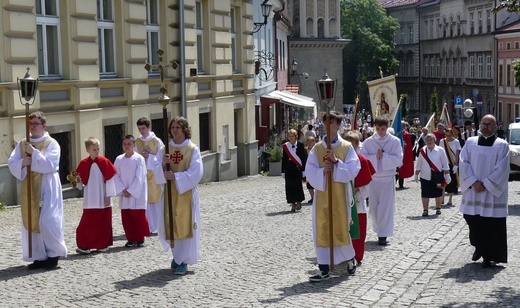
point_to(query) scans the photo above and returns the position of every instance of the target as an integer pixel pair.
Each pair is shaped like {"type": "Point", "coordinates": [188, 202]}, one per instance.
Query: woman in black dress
{"type": "Point", "coordinates": [293, 170]}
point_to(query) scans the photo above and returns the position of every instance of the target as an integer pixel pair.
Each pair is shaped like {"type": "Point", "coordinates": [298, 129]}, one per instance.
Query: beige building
{"type": "Point", "coordinates": [90, 62]}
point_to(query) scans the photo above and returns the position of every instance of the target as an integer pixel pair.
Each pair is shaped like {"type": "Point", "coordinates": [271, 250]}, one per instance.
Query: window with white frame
{"type": "Point", "coordinates": [472, 67]}
{"type": "Point", "coordinates": [234, 45]}
{"type": "Point", "coordinates": [480, 67]}
{"type": "Point", "coordinates": [199, 30]}
{"type": "Point", "coordinates": [47, 28]}
{"type": "Point", "coordinates": [106, 38]}
{"type": "Point", "coordinates": [152, 33]}
{"type": "Point", "coordinates": [488, 67]}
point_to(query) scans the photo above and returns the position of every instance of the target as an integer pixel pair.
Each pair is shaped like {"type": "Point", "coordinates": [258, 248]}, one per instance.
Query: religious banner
{"type": "Point", "coordinates": [383, 97]}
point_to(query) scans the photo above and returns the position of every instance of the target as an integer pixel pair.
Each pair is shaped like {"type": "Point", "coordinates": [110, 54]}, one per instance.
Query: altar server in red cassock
{"type": "Point", "coordinates": [406, 170]}
{"type": "Point", "coordinates": [132, 191]}
{"type": "Point", "coordinates": [97, 177]}
{"type": "Point", "coordinates": [363, 178]}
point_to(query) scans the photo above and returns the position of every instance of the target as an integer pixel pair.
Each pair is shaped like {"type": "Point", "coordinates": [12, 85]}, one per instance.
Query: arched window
{"type": "Point", "coordinates": [321, 27]}
{"type": "Point", "coordinates": [309, 27]}
{"type": "Point", "coordinates": [332, 28]}
{"type": "Point", "coordinates": [296, 25]}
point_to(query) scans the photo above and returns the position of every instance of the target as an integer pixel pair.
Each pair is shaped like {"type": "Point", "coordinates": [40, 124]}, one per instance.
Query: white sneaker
{"type": "Point", "coordinates": [83, 251]}
{"type": "Point", "coordinates": [103, 249]}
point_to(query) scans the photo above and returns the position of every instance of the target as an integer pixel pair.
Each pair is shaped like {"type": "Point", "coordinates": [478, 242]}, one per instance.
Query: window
{"type": "Point", "coordinates": [480, 62]}
{"type": "Point", "coordinates": [499, 46]}
{"type": "Point", "coordinates": [500, 75]}
{"type": "Point", "coordinates": [508, 45]}
{"type": "Point", "coordinates": [443, 25]}
{"type": "Point", "coordinates": [488, 12]}
{"type": "Point", "coordinates": [234, 47]}
{"type": "Point", "coordinates": [321, 27]}
{"type": "Point", "coordinates": [517, 45]}
{"type": "Point", "coordinates": [471, 23]}
{"type": "Point", "coordinates": [431, 29]}
{"type": "Point", "coordinates": [401, 39]}
{"type": "Point", "coordinates": [204, 132]}
{"type": "Point", "coordinates": [432, 67]}
{"type": "Point", "coordinates": [410, 67]}
{"type": "Point", "coordinates": [438, 70]}
{"type": "Point", "coordinates": [426, 68]}
{"type": "Point", "coordinates": [472, 67]}
{"type": "Point", "coordinates": [488, 67]}
{"type": "Point", "coordinates": [410, 34]}
{"type": "Point", "coordinates": [199, 30]}
{"type": "Point", "coordinates": [451, 26]}
{"type": "Point", "coordinates": [459, 32]}
{"type": "Point", "coordinates": [152, 33]}
{"type": "Point", "coordinates": [454, 68]}
{"type": "Point", "coordinates": [508, 75]}
{"type": "Point", "coordinates": [106, 38]}
{"type": "Point", "coordinates": [47, 28]}
{"type": "Point", "coordinates": [425, 29]}
{"type": "Point", "coordinates": [446, 67]}
{"type": "Point", "coordinates": [479, 22]}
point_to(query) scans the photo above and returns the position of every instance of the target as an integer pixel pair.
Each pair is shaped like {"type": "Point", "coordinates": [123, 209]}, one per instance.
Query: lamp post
{"type": "Point", "coordinates": [27, 87]}
{"type": "Point", "coordinates": [326, 93]}
{"type": "Point", "coordinates": [266, 11]}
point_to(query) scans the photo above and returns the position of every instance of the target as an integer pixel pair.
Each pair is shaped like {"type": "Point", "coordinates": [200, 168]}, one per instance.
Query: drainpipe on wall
{"type": "Point", "coordinates": [182, 55]}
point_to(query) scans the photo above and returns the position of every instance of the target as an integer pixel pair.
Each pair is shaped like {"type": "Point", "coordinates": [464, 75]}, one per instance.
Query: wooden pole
{"type": "Point", "coordinates": [329, 190]}
{"type": "Point", "coordinates": [29, 183]}
{"type": "Point", "coordinates": [168, 182]}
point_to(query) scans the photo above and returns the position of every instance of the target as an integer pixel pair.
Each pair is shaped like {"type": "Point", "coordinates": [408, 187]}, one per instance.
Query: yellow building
{"type": "Point", "coordinates": [90, 55]}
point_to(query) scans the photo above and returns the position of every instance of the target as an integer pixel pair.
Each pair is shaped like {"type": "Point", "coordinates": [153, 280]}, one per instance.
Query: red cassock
{"type": "Point", "coordinates": [365, 173]}
{"type": "Point", "coordinates": [406, 170]}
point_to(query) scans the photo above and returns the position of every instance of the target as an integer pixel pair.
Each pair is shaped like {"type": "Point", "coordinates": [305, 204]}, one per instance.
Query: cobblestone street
{"type": "Point", "coordinates": [255, 253]}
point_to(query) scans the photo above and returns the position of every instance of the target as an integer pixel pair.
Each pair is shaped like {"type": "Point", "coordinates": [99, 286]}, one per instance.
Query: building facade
{"type": "Point", "coordinates": [89, 56]}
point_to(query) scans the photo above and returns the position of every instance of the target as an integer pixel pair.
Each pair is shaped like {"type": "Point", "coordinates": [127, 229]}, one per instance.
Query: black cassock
{"type": "Point", "coordinates": [293, 174]}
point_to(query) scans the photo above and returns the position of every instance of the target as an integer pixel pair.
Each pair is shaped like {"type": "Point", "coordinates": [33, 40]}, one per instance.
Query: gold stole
{"type": "Point", "coordinates": [182, 209]}
{"type": "Point", "coordinates": [154, 189]}
{"type": "Point", "coordinates": [452, 160]}
{"type": "Point", "coordinates": [36, 183]}
{"type": "Point", "coordinates": [339, 208]}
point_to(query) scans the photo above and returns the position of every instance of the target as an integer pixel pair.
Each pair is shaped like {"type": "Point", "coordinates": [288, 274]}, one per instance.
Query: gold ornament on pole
{"type": "Point", "coordinates": [27, 87]}
{"type": "Point", "coordinates": [326, 93]}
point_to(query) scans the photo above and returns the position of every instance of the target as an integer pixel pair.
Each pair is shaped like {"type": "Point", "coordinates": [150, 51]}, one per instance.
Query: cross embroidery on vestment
{"type": "Point", "coordinates": [176, 157]}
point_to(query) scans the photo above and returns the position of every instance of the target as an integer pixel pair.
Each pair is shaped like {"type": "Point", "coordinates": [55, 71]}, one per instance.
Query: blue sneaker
{"type": "Point", "coordinates": [174, 265]}
{"type": "Point", "coordinates": [181, 269]}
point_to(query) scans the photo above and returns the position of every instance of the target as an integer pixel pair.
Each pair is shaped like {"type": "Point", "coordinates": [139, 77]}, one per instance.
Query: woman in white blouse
{"type": "Point", "coordinates": [452, 148]}
{"type": "Point", "coordinates": [429, 187]}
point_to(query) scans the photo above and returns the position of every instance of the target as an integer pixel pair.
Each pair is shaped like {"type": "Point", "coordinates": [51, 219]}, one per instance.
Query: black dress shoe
{"type": "Point", "coordinates": [51, 263]}
{"type": "Point", "coordinates": [382, 241]}
{"type": "Point", "coordinates": [475, 256]}
{"type": "Point", "coordinates": [486, 264]}
{"type": "Point", "coordinates": [37, 264]}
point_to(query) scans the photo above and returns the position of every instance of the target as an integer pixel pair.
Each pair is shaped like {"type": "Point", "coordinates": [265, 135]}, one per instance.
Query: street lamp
{"type": "Point", "coordinates": [266, 11]}
{"type": "Point", "coordinates": [27, 87]}
{"type": "Point", "coordinates": [326, 93]}
{"type": "Point", "coordinates": [294, 69]}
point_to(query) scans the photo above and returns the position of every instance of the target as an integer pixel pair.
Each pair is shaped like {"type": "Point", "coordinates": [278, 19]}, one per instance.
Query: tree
{"type": "Point", "coordinates": [434, 104]}
{"type": "Point", "coordinates": [512, 6]}
{"type": "Point", "coordinates": [404, 103]}
{"type": "Point", "coordinates": [371, 32]}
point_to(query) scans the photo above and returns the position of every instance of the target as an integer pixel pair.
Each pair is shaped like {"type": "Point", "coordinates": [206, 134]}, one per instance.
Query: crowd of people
{"type": "Point", "coordinates": [351, 177]}
{"type": "Point", "coordinates": [444, 161]}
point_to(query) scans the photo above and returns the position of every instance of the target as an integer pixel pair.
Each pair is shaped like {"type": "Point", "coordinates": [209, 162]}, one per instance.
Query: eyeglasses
{"type": "Point", "coordinates": [35, 124]}
{"type": "Point", "coordinates": [487, 124]}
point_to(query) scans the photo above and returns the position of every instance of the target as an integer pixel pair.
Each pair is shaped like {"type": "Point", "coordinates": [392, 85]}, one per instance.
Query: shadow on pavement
{"type": "Point", "coordinates": [502, 297]}
{"type": "Point", "coordinates": [76, 255]}
{"type": "Point", "coordinates": [419, 217]}
{"type": "Point", "coordinates": [288, 212]}
{"type": "Point", "coordinates": [18, 272]}
{"type": "Point", "coordinates": [514, 210]}
{"type": "Point", "coordinates": [473, 271]}
{"type": "Point", "coordinates": [155, 279]}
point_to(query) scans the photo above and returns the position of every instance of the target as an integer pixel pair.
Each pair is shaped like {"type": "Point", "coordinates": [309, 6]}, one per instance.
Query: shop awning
{"type": "Point", "coordinates": [292, 99]}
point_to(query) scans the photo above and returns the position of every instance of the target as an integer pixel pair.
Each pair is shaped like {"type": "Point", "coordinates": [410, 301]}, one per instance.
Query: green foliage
{"type": "Point", "coordinates": [275, 153]}
{"type": "Point", "coordinates": [434, 104]}
{"type": "Point", "coordinates": [511, 6]}
{"type": "Point", "coordinates": [404, 104]}
{"type": "Point", "coordinates": [371, 31]}
{"type": "Point", "coordinates": [516, 69]}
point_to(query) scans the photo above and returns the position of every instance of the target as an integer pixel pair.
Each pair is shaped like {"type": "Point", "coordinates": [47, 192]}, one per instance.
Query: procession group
{"type": "Point", "coordinates": [157, 190]}
{"type": "Point", "coordinates": [138, 178]}
{"type": "Point", "coordinates": [345, 169]}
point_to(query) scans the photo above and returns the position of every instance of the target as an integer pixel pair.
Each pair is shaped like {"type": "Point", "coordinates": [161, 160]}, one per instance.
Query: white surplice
{"type": "Point", "coordinates": [97, 189]}
{"type": "Point", "coordinates": [489, 164]}
{"type": "Point", "coordinates": [50, 241]}
{"type": "Point", "coordinates": [187, 250]}
{"type": "Point", "coordinates": [131, 175]}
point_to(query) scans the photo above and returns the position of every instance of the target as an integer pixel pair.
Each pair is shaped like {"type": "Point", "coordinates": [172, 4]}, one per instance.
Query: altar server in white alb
{"type": "Point", "coordinates": [342, 161]}
{"type": "Point", "coordinates": [42, 153]}
{"type": "Point", "coordinates": [186, 170]}
{"type": "Point", "coordinates": [150, 147]}
{"type": "Point", "coordinates": [386, 154]}
{"type": "Point", "coordinates": [132, 191]}
{"type": "Point", "coordinates": [484, 173]}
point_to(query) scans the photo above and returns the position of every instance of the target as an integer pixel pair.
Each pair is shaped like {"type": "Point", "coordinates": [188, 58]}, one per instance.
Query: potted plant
{"type": "Point", "coordinates": [275, 160]}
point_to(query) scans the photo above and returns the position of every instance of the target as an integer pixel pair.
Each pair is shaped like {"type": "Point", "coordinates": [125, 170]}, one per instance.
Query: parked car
{"type": "Point", "coordinates": [513, 138]}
